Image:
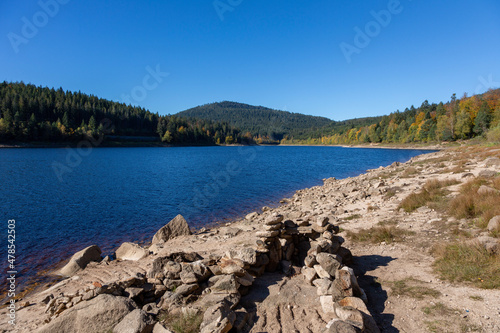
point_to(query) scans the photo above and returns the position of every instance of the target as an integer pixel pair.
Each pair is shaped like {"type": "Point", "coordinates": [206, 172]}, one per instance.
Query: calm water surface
{"type": "Point", "coordinates": [63, 203]}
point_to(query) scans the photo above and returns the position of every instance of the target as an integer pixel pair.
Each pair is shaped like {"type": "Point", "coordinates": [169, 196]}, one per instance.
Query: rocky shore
{"type": "Point", "coordinates": [293, 268]}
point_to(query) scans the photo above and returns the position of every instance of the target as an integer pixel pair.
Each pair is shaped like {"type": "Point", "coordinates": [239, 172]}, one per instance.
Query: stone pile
{"type": "Point", "coordinates": [187, 283]}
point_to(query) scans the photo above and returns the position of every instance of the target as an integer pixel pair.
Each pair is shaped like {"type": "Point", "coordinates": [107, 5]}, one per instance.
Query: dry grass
{"type": "Point", "coordinates": [182, 323]}
{"type": "Point", "coordinates": [379, 234]}
{"type": "Point", "coordinates": [432, 192]}
{"type": "Point", "coordinates": [462, 262]}
{"type": "Point", "coordinates": [391, 191]}
{"type": "Point", "coordinates": [409, 172]}
{"type": "Point", "coordinates": [352, 217]}
{"type": "Point", "coordinates": [412, 288]}
{"type": "Point", "coordinates": [471, 205]}
{"type": "Point", "coordinates": [438, 309]}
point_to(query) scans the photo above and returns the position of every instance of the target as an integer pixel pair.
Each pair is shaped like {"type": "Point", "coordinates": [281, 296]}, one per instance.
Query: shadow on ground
{"type": "Point", "coordinates": [376, 295]}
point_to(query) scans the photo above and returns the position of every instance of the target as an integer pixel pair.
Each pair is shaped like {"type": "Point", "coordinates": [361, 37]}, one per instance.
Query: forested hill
{"type": "Point", "coordinates": [29, 113]}
{"type": "Point", "coordinates": [458, 119]}
{"type": "Point", "coordinates": [262, 123]}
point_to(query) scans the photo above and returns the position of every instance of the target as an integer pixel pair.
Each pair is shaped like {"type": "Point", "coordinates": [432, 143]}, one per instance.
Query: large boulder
{"type": "Point", "coordinates": [137, 321]}
{"type": "Point", "coordinates": [80, 260]}
{"type": "Point", "coordinates": [176, 227]}
{"type": "Point", "coordinates": [100, 314]}
{"type": "Point", "coordinates": [130, 251]}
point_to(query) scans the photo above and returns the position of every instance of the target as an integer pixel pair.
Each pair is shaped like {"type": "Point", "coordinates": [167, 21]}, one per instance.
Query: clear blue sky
{"type": "Point", "coordinates": [280, 54]}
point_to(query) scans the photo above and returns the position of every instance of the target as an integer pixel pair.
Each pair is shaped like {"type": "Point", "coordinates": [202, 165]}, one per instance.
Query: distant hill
{"type": "Point", "coordinates": [259, 121]}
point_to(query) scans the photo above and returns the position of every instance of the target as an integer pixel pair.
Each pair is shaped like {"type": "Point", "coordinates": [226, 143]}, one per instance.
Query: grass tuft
{"type": "Point", "coordinates": [182, 323]}
{"type": "Point", "coordinates": [432, 192]}
{"type": "Point", "coordinates": [379, 234]}
{"type": "Point", "coordinates": [471, 205]}
{"type": "Point", "coordinates": [412, 288]}
{"type": "Point", "coordinates": [462, 262]}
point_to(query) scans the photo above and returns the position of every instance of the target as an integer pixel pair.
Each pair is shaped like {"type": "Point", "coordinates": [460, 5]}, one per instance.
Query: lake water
{"type": "Point", "coordinates": [64, 199]}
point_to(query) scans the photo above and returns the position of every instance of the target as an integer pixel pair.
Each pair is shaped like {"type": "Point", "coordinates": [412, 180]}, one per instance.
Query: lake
{"type": "Point", "coordinates": [66, 199]}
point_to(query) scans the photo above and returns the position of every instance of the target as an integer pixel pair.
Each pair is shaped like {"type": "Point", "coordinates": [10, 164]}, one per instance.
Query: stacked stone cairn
{"type": "Point", "coordinates": [186, 283]}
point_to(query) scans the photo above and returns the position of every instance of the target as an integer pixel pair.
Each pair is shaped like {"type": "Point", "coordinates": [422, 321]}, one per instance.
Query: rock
{"type": "Point", "coordinates": [242, 317]}
{"type": "Point", "coordinates": [218, 319]}
{"type": "Point", "coordinates": [212, 299]}
{"type": "Point", "coordinates": [252, 216]}
{"type": "Point", "coordinates": [323, 286]}
{"type": "Point", "coordinates": [492, 245]}
{"type": "Point", "coordinates": [246, 280]}
{"type": "Point", "coordinates": [80, 260]}
{"type": "Point", "coordinates": [267, 234]}
{"type": "Point", "coordinates": [273, 227]}
{"type": "Point", "coordinates": [186, 289]}
{"type": "Point", "coordinates": [357, 291]}
{"type": "Point", "coordinates": [483, 189]}
{"type": "Point", "coordinates": [273, 219]}
{"type": "Point", "coordinates": [309, 274]}
{"type": "Point", "coordinates": [262, 260]}
{"type": "Point", "coordinates": [350, 315]}
{"type": "Point", "coordinates": [286, 267]}
{"type": "Point", "coordinates": [137, 321]}
{"type": "Point", "coordinates": [158, 328]}
{"type": "Point", "coordinates": [246, 254]}
{"type": "Point", "coordinates": [494, 224]}
{"type": "Point", "coordinates": [487, 173]}
{"type": "Point", "coordinates": [346, 255]}
{"type": "Point", "coordinates": [151, 308]}
{"type": "Point", "coordinates": [322, 221]}
{"type": "Point", "coordinates": [100, 314]}
{"type": "Point", "coordinates": [130, 251]}
{"type": "Point", "coordinates": [343, 282]}
{"type": "Point", "coordinates": [232, 266]}
{"type": "Point", "coordinates": [176, 227]}
{"type": "Point", "coordinates": [310, 260]}
{"type": "Point", "coordinates": [132, 292]}
{"type": "Point", "coordinates": [225, 285]}
{"type": "Point", "coordinates": [354, 302]}
{"type": "Point", "coordinates": [327, 304]}
{"type": "Point", "coordinates": [230, 232]}
{"type": "Point", "coordinates": [274, 257]}
{"type": "Point", "coordinates": [329, 262]}
{"type": "Point", "coordinates": [194, 273]}
{"type": "Point", "coordinates": [338, 326]}
{"type": "Point", "coordinates": [492, 161]}
{"type": "Point", "coordinates": [322, 273]}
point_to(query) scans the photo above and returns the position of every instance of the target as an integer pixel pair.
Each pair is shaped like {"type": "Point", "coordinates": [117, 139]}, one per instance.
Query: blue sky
{"type": "Point", "coordinates": [280, 54]}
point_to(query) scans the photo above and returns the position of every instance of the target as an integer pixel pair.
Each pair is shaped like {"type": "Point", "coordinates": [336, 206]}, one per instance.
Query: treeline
{"type": "Point", "coordinates": [29, 113]}
{"type": "Point", "coordinates": [264, 125]}
{"type": "Point", "coordinates": [459, 119]}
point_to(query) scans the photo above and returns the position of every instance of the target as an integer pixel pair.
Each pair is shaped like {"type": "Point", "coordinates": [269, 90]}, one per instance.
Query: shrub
{"type": "Point", "coordinates": [493, 134]}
